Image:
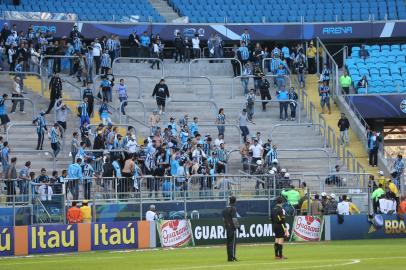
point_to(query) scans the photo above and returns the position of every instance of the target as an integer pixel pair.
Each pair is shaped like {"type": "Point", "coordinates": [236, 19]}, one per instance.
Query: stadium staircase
{"type": "Point", "coordinates": [356, 146]}
{"type": "Point", "coordinates": [24, 138]}
{"type": "Point", "coordinates": [193, 98]}
{"type": "Point", "coordinates": [166, 11]}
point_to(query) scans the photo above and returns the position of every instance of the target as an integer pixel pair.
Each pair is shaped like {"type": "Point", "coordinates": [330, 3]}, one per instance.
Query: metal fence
{"type": "Point", "coordinates": [137, 60]}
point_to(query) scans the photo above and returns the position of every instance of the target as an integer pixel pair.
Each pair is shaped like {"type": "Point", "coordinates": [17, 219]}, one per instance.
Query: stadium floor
{"type": "Point", "coordinates": [360, 254]}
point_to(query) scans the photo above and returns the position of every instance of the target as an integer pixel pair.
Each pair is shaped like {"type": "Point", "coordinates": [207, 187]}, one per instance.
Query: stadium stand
{"type": "Point", "coordinates": [385, 68]}
{"type": "Point", "coordinates": [92, 10]}
{"type": "Point", "coordinates": [256, 11]}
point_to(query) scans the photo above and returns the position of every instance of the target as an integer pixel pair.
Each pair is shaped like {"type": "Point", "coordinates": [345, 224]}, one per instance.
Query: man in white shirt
{"type": "Point", "coordinates": [196, 46]}
{"type": "Point", "coordinates": [343, 207]}
{"type": "Point", "coordinates": [219, 140]}
{"type": "Point", "coordinates": [198, 154]}
{"type": "Point", "coordinates": [97, 51]}
{"type": "Point", "coordinates": [256, 150]}
{"type": "Point", "coordinates": [132, 145]}
{"type": "Point", "coordinates": [17, 93]}
{"type": "Point", "coordinates": [151, 214]}
{"type": "Point", "coordinates": [45, 191]}
{"type": "Point", "coordinates": [387, 205]}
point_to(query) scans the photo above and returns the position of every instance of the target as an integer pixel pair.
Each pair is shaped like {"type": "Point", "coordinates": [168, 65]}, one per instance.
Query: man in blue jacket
{"type": "Point", "coordinates": [75, 175]}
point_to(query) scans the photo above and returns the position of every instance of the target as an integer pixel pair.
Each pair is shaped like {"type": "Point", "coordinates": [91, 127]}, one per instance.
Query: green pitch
{"type": "Point", "coordinates": [348, 255]}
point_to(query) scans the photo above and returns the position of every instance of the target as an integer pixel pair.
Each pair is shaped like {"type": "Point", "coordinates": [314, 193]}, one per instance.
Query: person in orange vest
{"type": "Point", "coordinates": [402, 206]}
{"type": "Point", "coordinates": [74, 214]}
{"type": "Point", "coordinates": [86, 212]}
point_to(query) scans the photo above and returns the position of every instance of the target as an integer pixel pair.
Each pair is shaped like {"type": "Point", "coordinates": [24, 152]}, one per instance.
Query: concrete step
{"type": "Point", "coordinates": [164, 9]}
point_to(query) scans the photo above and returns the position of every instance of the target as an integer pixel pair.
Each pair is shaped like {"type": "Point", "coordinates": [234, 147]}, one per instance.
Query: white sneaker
{"type": "Point", "coordinates": [23, 112]}
{"type": "Point", "coordinates": [12, 112]}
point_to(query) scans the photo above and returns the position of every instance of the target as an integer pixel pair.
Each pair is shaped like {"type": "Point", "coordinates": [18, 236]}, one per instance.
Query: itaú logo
{"type": "Point", "coordinates": [337, 30]}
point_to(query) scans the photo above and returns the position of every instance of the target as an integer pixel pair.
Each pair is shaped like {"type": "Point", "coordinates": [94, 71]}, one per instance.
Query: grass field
{"type": "Point", "coordinates": [362, 254]}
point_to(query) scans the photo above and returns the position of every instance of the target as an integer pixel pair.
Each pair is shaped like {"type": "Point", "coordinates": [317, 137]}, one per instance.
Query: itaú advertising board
{"type": "Point", "coordinates": [40, 239]}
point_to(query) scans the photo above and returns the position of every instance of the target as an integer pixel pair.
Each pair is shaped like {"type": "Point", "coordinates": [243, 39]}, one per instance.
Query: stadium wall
{"type": "Point", "coordinates": [289, 31]}
{"type": "Point", "coordinates": [43, 239]}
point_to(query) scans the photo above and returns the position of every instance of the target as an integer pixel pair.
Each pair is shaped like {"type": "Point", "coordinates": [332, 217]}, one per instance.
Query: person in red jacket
{"type": "Point", "coordinates": [74, 214]}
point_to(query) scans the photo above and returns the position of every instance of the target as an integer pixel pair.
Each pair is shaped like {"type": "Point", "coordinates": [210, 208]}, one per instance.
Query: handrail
{"type": "Point", "coordinates": [319, 42]}
{"type": "Point", "coordinates": [15, 73]}
{"type": "Point", "coordinates": [210, 59]}
{"type": "Point", "coordinates": [299, 125]}
{"type": "Point", "coordinates": [28, 151]}
{"type": "Point", "coordinates": [33, 126]}
{"type": "Point", "coordinates": [25, 99]}
{"type": "Point", "coordinates": [139, 59]}
{"type": "Point", "coordinates": [223, 125]}
{"type": "Point", "coordinates": [253, 76]}
{"type": "Point", "coordinates": [294, 150]}
{"type": "Point", "coordinates": [133, 101]}
{"type": "Point", "coordinates": [169, 101]}
{"type": "Point", "coordinates": [207, 48]}
{"type": "Point", "coordinates": [95, 96]}
{"type": "Point", "coordinates": [277, 101]}
{"type": "Point", "coordinates": [195, 77]}
{"type": "Point", "coordinates": [44, 57]}
{"type": "Point", "coordinates": [75, 86]}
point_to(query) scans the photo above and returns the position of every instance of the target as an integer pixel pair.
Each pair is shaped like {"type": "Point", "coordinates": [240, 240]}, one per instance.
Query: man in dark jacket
{"type": "Point", "coordinates": [264, 90]}
{"type": "Point", "coordinates": [231, 225]}
{"type": "Point", "coordinates": [88, 93]}
{"type": "Point", "coordinates": [178, 42]}
{"type": "Point", "coordinates": [55, 88]}
{"type": "Point", "coordinates": [133, 40]}
{"type": "Point", "coordinates": [161, 92]}
{"type": "Point", "coordinates": [343, 124]}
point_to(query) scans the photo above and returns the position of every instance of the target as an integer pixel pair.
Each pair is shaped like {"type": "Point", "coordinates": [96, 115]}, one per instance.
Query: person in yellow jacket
{"type": "Point", "coordinates": [305, 206]}
{"type": "Point", "coordinates": [86, 212]}
{"type": "Point", "coordinates": [353, 208]}
{"type": "Point", "coordinates": [393, 188]}
{"type": "Point", "coordinates": [311, 58]}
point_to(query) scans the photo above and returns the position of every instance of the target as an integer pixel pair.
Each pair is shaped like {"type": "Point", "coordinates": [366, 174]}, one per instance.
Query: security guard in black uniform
{"type": "Point", "coordinates": [279, 227]}
{"type": "Point", "coordinates": [231, 224]}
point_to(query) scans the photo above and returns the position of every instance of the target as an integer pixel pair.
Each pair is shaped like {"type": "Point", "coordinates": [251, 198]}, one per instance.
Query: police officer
{"type": "Point", "coordinates": [231, 224]}
{"type": "Point", "coordinates": [279, 227]}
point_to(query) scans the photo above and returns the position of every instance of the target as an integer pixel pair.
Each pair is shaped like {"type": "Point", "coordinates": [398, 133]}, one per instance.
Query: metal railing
{"type": "Point", "coordinates": [20, 125]}
{"type": "Point", "coordinates": [301, 125]}
{"type": "Point", "coordinates": [190, 101]}
{"type": "Point", "coordinates": [211, 85]}
{"type": "Point", "coordinates": [210, 59]}
{"type": "Point", "coordinates": [332, 140]}
{"type": "Point", "coordinates": [333, 66]}
{"type": "Point", "coordinates": [119, 59]}
{"type": "Point", "coordinates": [321, 150]}
{"type": "Point", "coordinates": [25, 99]}
{"type": "Point", "coordinates": [124, 103]}
{"type": "Point", "coordinates": [252, 76]}
{"type": "Point", "coordinates": [298, 105]}
{"type": "Point", "coordinates": [44, 77]}
{"type": "Point", "coordinates": [26, 73]}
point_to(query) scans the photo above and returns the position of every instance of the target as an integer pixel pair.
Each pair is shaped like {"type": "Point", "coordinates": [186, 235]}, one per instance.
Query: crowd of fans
{"type": "Point", "coordinates": [178, 148]}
